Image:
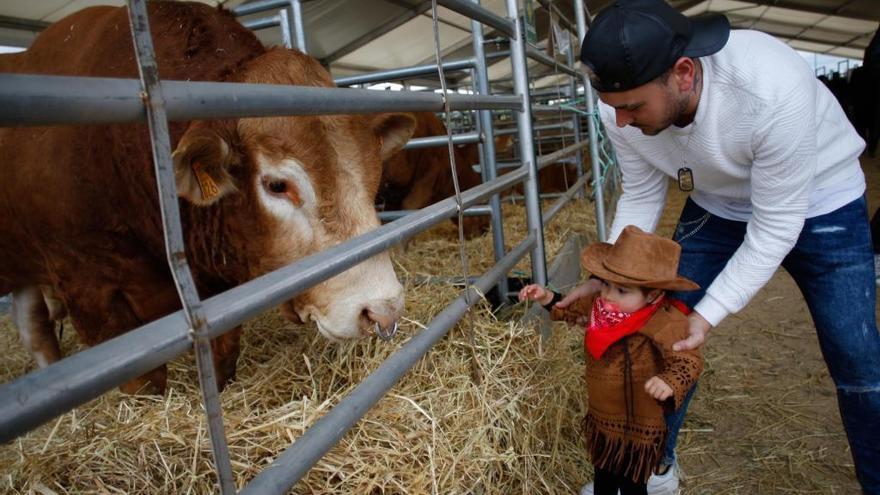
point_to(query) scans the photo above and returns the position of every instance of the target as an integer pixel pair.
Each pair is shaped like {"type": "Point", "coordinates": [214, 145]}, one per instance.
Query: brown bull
{"type": "Point", "coordinates": [415, 178]}
{"type": "Point", "coordinates": [79, 206]}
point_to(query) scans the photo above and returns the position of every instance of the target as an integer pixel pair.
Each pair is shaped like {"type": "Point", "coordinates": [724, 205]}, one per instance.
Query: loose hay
{"type": "Point", "coordinates": [764, 421]}
{"type": "Point", "coordinates": [435, 432]}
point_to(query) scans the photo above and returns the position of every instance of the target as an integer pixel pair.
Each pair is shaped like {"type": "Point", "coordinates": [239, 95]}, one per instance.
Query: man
{"type": "Point", "coordinates": [739, 119]}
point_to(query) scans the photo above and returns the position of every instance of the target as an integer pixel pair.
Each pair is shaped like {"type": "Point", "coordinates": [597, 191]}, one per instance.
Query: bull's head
{"type": "Point", "coordinates": [287, 187]}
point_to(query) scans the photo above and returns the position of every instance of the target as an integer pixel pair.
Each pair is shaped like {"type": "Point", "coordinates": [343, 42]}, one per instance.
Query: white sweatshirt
{"type": "Point", "coordinates": [769, 146]}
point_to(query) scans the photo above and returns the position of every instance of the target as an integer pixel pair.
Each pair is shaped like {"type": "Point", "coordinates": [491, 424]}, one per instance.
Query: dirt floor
{"type": "Point", "coordinates": [765, 417]}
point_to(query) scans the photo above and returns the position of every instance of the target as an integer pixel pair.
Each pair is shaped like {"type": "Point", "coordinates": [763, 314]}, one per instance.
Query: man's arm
{"type": "Point", "coordinates": [782, 173]}
{"type": "Point", "coordinates": [644, 187]}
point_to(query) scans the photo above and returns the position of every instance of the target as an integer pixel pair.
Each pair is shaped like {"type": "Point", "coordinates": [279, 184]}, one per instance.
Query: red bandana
{"type": "Point", "coordinates": [608, 325]}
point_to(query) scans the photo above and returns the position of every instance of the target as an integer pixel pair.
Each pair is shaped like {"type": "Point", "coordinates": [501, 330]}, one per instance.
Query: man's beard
{"type": "Point", "coordinates": [674, 112]}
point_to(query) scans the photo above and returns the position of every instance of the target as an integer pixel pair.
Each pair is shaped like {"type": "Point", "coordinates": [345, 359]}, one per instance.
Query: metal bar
{"type": "Point", "coordinates": [554, 157]}
{"type": "Point", "coordinates": [575, 118]}
{"type": "Point", "coordinates": [297, 25]}
{"type": "Point", "coordinates": [43, 394]}
{"type": "Point", "coordinates": [295, 462]}
{"type": "Point", "coordinates": [174, 245]}
{"type": "Point", "coordinates": [478, 13]}
{"type": "Point", "coordinates": [526, 146]}
{"type": "Point", "coordinates": [488, 167]}
{"type": "Point", "coordinates": [539, 56]}
{"type": "Point", "coordinates": [436, 141]}
{"type": "Point", "coordinates": [259, 6]}
{"type": "Point", "coordinates": [262, 23]}
{"type": "Point", "coordinates": [593, 129]}
{"type": "Point", "coordinates": [557, 108]}
{"type": "Point", "coordinates": [45, 100]}
{"type": "Point", "coordinates": [473, 211]}
{"type": "Point", "coordinates": [403, 73]}
{"type": "Point", "coordinates": [9, 22]}
{"type": "Point", "coordinates": [537, 128]}
{"type": "Point", "coordinates": [554, 209]}
{"type": "Point", "coordinates": [284, 21]}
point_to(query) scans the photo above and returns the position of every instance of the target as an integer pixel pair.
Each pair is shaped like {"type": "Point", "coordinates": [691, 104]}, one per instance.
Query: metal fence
{"type": "Point", "coordinates": [37, 397]}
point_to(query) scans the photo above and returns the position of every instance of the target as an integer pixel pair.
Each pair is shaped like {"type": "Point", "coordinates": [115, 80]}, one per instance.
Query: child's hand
{"type": "Point", "coordinates": [658, 389]}
{"type": "Point", "coordinates": [535, 292]}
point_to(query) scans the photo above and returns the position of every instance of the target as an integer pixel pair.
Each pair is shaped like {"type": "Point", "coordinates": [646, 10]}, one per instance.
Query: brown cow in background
{"type": "Point", "coordinates": [80, 213]}
{"type": "Point", "coordinates": [413, 179]}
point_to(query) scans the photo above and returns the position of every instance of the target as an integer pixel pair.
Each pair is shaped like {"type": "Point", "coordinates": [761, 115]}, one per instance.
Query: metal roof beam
{"type": "Point", "coordinates": [22, 24]}
{"type": "Point", "coordinates": [835, 11]}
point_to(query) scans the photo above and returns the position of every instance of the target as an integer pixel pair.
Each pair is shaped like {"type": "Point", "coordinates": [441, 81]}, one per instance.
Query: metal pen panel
{"type": "Point", "coordinates": [436, 141]}
{"type": "Point", "coordinates": [295, 462]}
{"type": "Point", "coordinates": [488, 167]}
{"type": "Point", "coordinates": [174, 245]}
{"type": "Point", "coordinates": [478, 13]}
{"type": "Point", "coordinates": [592, 127]}
{"type": "Point", "coordinates": [526, 146]}
{"type": "Point", "coordinates": [297, 26]}
{"type": "Point", "coordinates": [46, 100]}
{"type": "Point", "coordinates": [473, 211]}
{"type": "Point", "coordinates": [259, 6]}
{"type": "Point", "coordinates": [43, 394]}
{"type": "Point", "coordinates": [262, 23]}
{"type": "Point", "coordinates": [557, 206]}
{"type": "Point", "coordinates": [403, 73]}
{"type": "Point", "coordinates": [539, 56]}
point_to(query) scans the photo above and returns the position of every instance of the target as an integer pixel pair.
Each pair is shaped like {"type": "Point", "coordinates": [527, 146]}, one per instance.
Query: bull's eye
{"type": "Point", "coordinates": [277, 186]}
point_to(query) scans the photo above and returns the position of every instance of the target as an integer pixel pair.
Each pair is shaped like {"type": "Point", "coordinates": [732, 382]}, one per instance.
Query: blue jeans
{"type": "Point", "coordinates": [832, 264]}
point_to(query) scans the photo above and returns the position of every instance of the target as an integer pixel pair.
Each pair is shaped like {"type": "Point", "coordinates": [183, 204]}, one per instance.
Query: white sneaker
{"type": "Point", "coordinates": [658, 484]}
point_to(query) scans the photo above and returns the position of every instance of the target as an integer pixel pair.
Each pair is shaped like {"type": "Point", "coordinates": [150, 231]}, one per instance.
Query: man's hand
{"type": "Point", "coordinates": [698, 330]}
{"type": "Point", "coordinates": [585, 289]}
{"type": "Point", "coordinates": [658, 389]}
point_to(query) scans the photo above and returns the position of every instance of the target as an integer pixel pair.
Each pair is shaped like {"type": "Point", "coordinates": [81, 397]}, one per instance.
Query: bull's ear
{"type": "Point", "coordinates": [393, 130]}
{"type": "Point", "coordinates": [201, 166]}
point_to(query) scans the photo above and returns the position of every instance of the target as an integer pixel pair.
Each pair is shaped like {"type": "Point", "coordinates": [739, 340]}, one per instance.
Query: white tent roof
{"type": "Point", "coordinates": [354, 36]}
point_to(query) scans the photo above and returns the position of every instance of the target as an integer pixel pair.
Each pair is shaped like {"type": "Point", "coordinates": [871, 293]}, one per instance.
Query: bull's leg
{"type": "Point", "coordinates": [35, 326]}
{"type": "Point", "coordinates": [150, 383]}
{"type": "Point", "coordinates": [102, 312]}
{"type": "Point", "coordinates": [226, 349]}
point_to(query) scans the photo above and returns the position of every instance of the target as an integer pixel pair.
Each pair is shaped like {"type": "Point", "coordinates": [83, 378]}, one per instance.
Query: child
{"type": "Point", "coordinates": [632, 373]}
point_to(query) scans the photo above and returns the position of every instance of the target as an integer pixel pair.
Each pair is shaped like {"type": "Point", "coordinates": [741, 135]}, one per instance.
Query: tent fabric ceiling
{"type": "Point", "coordinates": [354, 36]}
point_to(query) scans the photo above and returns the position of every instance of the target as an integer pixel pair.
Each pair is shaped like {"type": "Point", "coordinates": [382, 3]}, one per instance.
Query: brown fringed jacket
{"type": "Point", "coordinates": [624, 427]}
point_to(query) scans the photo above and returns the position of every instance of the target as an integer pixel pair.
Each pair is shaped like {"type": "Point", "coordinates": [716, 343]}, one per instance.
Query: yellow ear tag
{"type": "Point", "coordinates": [209, 188]}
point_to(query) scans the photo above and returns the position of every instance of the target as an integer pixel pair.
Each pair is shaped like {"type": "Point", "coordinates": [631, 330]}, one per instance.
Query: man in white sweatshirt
{"type": "Point", "coordinates": [738, 119]}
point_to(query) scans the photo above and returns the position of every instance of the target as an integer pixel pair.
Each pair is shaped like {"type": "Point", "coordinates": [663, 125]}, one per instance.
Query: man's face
{"type": "Point", "coordinates": [651, 107]}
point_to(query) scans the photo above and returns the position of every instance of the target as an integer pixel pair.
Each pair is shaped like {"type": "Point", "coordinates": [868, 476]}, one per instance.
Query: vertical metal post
{"type": "Point", "coordinates": [489, 167]}
{"type": "Point", "coordinates": [296, 26]}
{"type": "Point", "coordinates": [526, 145]}
{"type": "Point", "coordinates": [575, 120]}
{"type": "Point", "coordinates": [286, 29]}
{"type": "Point", "coordinates": [592, 118]}
{"type": "Point", "coordinates": [174, 245]}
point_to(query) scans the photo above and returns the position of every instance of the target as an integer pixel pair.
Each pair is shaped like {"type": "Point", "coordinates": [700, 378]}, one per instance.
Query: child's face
{"type": "Point", "coordinates": [628, 298]}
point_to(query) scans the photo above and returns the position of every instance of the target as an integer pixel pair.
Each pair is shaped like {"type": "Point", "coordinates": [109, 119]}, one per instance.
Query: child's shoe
{"type": "Point", "coordinates": [658, 484]}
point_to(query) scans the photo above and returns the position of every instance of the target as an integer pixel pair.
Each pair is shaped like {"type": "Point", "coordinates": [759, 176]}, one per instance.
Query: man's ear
{"type": "Point", "coordinates": [393, 131]}
{"type": "Point", "coordinates": [201, 165]}
{"type": "Point", "coordinates": [653, 295]}
{"type": "Point", "coordinates": [685, 71]}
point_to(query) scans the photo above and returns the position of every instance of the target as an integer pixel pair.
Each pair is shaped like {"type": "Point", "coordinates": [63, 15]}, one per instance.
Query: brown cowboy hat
{"type": "Point", "coordinates": [637, 258]}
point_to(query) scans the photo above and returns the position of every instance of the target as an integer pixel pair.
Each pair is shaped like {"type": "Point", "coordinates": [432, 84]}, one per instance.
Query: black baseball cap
{"type": "Point", "coordinates": [632, 42]}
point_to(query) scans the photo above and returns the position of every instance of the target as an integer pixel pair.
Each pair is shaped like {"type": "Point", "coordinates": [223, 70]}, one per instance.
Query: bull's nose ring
{"type": "Point", "coordinates": [383, 334]}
